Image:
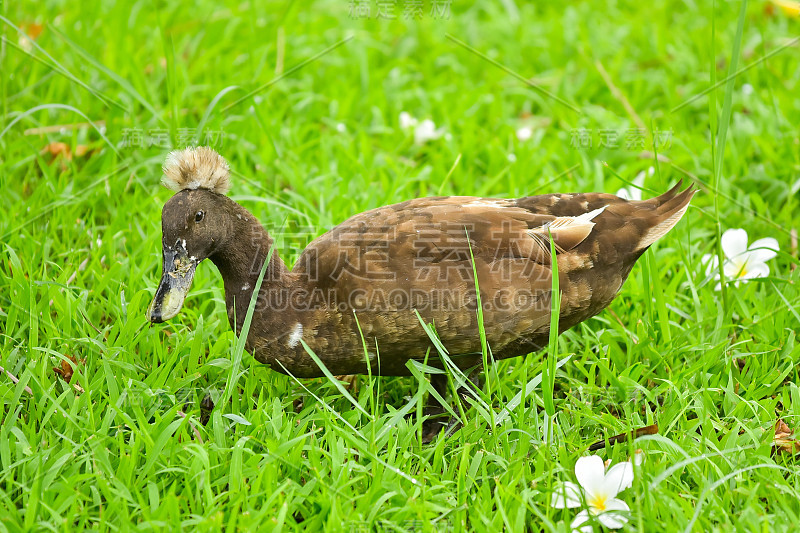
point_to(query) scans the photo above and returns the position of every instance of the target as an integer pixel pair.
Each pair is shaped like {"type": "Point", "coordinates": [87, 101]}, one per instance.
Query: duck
{"type": "Point", "coordinates": [365, 296]}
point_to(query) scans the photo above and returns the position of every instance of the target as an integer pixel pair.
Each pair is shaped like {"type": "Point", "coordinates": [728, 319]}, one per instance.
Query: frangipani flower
{"type": "Point", "coordinates": [742, 262]}
{"type": "Point", "coordinates": [524, 133]}
{"type": "Point", "coordinates": [635, 193]}
{"type": "Point", "coordinates": [407, 121]}
{"type": "Point", "coordinates": [598, 490]}
{"type": "Point", "coordinates": [423, 131]}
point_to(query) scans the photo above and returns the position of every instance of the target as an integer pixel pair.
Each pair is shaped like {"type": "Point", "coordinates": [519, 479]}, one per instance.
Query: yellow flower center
{"type": "Point", "coordinates": [742, 270]}
{"type": "Point", "coordinates": [597, 502]}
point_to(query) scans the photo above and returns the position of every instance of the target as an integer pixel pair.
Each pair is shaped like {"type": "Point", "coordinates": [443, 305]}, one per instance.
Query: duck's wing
{"type": "Point", "coordinates": [437, 241]}
{"type": "Point", "coordinates": [424, 256]}
{"type": "Point", "coordinates": [431, 237]}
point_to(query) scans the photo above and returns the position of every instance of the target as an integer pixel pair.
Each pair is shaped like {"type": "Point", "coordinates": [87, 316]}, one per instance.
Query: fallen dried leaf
{"type": "Point", "coordinates": [82, 150]}
{"type": "Point", "coordinates": [58, 149]}
{"type": "Point", "coordinates": [66, 370]}
{"type": "Point", "coordinates": [784, 440]}
{"type": "Point", "coordinates": [32, 30]}
{"type": "Point", "coordinates": [62, 151]}
{"type": "Point", "coordinates": [350, 382]}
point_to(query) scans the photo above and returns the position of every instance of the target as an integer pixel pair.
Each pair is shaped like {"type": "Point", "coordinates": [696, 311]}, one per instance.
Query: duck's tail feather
{"type": "Point", "coordinates": [669, 208]}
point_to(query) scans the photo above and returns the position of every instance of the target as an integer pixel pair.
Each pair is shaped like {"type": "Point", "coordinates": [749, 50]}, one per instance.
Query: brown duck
{"type": "Point", "coordinates": [367, 282]}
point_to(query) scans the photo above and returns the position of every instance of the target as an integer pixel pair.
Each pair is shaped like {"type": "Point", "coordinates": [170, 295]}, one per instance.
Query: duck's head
{"type": "Point", "coordinates": [194, 223]}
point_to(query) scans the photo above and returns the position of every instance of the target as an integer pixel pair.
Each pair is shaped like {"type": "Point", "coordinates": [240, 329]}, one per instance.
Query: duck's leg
{"type": "Point", "coordinates": [438, 417]}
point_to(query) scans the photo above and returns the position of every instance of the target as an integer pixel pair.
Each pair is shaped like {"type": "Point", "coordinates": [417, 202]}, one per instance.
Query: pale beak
{"type": "Point", "coordinates": [176, 279]}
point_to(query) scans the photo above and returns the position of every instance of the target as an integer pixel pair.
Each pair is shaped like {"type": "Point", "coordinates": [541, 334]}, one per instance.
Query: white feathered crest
{"type": "Point", "coordinates": [196, 168]}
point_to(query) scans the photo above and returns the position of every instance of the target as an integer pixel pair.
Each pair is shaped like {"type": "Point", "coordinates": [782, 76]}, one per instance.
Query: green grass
{"type": "Point", "coordinates": [81, 258]}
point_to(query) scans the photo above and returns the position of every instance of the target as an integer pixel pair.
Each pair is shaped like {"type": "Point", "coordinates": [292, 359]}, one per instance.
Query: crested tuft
{"type": "Point", "coordinates": [196, 168]}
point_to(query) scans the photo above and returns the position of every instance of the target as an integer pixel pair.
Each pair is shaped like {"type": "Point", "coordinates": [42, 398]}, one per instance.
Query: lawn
{"type": "Point", "coordinates": [304, 100]}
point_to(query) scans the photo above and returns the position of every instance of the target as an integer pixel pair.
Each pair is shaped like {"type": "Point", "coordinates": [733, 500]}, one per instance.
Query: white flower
{"type": "Point", "coordinates": [635, 193]}
{"type": "Point", "coordinates": [423, 131]}
{"type": "Point", "coordinates": [341, 128]}
{"type": "Point", "coordinates": [598, 491]}
{"type": "Point", "coordinates": [524, 133]}
{"type": "Point", "coordinates": [426, 131]}
{"type": "Point", "coordinates": [407, 121]}
{"type": "Point", "coordinates": [741, 262]}
{"type": "Point", "coordinates": [747, 89]}
{"type": "Point", "coordinates": [638, 457]}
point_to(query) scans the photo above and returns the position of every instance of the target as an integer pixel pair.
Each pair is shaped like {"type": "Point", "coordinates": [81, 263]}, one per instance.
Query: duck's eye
{"type": "Point", "coordinates": [198, 217]}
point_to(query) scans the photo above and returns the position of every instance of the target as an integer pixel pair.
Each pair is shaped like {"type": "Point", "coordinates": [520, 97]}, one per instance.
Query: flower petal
{"type": "Point", "coordinates": [735, 268]}
{"type": "Point", "coordinates": [618, 478]}
{"type": "Point", "coordinates": [634, 192]}
{"type": "Point", "coordinates": [407, 121]}
{"type": "Point", "coordinates": [763, 250]}
{"type": "Point", "coordinates": [616, 514]}
{"type": "Point", "coordinates": [756, 270]}
{"type": "Point", "coordinates": [590, 472]}
{"type": "Point", "coordinates": [710, 262]}
{"type": "Point", "coordinates": [567, 495]}
{"type": "Point", "coordinates": [524, 133]}
{"type": "Point", "coordinates": [630, 193]}
{"type": "Point", "coordinates": [639, 179]}
{"type": "Point", "coordinates": [580, 519]}
{"type": "Point", "coordinates": [624, 193]}
{"type": "Point", "coordinates": [426, 131]}
{"type": "Point", "coordinates": [734, 242]}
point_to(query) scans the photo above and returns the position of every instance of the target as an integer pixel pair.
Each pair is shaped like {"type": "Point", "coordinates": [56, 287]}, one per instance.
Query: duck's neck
{"type": "Point", "coordinates": [240, 260]}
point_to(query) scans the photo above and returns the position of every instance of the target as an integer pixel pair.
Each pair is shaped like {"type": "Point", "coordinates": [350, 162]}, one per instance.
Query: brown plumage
{"type": "Point", "coordinates": [376, 269]}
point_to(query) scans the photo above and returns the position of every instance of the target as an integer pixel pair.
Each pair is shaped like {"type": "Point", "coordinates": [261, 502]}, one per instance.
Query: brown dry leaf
{"type": "Point", "coordinates": [32, 30]}
{"type": "Point", "coordinates": [62, 153]}
{"type": "Point", "coordinates": [350, 382]}
{"type": "Point", "coordinates": [66, 370]}
{"type": "Point", "coordinates": [784, 440]}
{"type": "Point", "coordinates": [83, 150]}
{"type": "Point", "coordinates": [57, 149]}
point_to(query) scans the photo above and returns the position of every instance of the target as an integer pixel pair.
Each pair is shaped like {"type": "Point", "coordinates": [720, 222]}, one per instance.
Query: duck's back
{"type": "Point", "coordinates": [376, 272]}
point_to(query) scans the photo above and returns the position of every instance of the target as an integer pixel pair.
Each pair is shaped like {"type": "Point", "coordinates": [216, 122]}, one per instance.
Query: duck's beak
{"type": "Point", "coordinates": [176, 280]}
